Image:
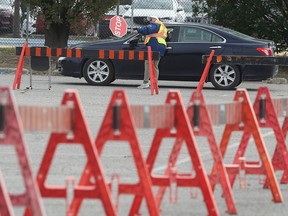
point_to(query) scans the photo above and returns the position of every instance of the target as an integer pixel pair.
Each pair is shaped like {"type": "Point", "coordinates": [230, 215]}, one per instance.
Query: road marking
{"type": "Point", "coordinates": [187, 159]}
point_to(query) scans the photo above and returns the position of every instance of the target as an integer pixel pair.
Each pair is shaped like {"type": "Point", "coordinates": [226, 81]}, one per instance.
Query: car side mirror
{"type": "Point", "coordinates": [133, 43]}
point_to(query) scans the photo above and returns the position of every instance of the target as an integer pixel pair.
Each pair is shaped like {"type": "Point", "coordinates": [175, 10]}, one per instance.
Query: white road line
{"type": "Point", "coordinates": [187, 159]}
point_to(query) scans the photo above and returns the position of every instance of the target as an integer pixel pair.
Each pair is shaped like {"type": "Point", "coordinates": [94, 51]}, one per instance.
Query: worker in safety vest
{"type": "Point", "coordinates": [156, 33]}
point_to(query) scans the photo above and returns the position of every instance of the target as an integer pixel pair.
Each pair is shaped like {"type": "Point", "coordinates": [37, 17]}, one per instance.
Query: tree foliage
{"type": "Point", "coordinates": [60, 15]}
{"type": "Point", "coordinates": [266, 19]}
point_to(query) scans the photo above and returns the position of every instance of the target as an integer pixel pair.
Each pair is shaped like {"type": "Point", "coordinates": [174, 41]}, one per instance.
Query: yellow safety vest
{"type": "Point", "coordinates": [161, 35]}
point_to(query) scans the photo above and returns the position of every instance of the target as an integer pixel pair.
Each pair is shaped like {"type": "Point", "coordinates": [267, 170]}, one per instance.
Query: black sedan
{"type": "Point", "coordinates": [186, 43]}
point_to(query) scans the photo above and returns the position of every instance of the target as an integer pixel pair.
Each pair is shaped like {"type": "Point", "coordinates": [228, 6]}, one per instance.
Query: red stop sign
{"type": "Point", "coordinates": [118, 26]}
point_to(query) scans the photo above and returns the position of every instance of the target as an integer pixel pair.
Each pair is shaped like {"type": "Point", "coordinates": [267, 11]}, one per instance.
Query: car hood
{"type": "Point", "coordinates": [151, 12]}
{"type": "Point", "coordinates": [84, 44]}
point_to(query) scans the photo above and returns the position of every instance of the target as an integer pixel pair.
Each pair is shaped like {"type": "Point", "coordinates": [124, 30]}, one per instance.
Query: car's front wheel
{"type": "Point", "coordinates": [225, 76]}
{"type": "Point", "coordinates": [98, 72]}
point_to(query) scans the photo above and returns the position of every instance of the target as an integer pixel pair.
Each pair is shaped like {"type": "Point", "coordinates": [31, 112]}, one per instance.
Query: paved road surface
{"type": "Point", "coordinates": [253, 201]}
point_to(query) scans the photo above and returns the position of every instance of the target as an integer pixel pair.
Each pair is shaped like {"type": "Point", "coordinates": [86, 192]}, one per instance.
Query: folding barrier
{"type": "Point", "coordinates": [68, 126]}
{"type": "Point", "coordinates": [118, 125]}
{"type": "Point", "coordinates": [248, 60]}
{"type": "Point", "coordinates": [196, 111]}
{"type": "Point", "coordinates": [267, 111]}
{"type": "Point", "coordinates": [43, 54]}
{"type": "Point", "coordinates": [12, 134]}
{"type": "Point", "coordinates": [248, 124]}
{"type": "Point", "coordinates": [79, 135]}
{"type": "Point", "coordinates": [182, 132]}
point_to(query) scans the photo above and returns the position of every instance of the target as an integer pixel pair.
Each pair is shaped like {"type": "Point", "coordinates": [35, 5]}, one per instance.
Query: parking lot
{"type": "Point", "coordinates": [116, 157]}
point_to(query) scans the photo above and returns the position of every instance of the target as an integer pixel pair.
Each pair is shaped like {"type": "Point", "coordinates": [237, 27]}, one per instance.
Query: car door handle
{"type": "Point", "coordinates": [168, 48]}
{"type": "Point", "coordinates": [215, 47]}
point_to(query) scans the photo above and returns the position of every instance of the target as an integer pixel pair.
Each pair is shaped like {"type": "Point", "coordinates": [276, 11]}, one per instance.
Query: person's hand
{"type": "Point", "coordinates": [135, 31]}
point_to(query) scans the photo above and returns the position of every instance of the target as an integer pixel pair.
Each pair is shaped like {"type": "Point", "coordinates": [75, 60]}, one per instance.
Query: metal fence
{"type": "Point", "coordinates": [18, 25]}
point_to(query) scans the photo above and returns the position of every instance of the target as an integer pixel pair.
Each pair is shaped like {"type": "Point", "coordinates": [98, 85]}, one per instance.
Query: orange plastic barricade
{"type": "Point", "coordinates": [118, 125]}
{"type": "Point", "coordinates": [13, 135]}
{"type": "Point", "coordinates": [183, 133]}
{"type": "Point", "coordinates": [249, 124]}
{"type": "Point", "coordinates": [202, 126]}
{"type": "Point", "coordinates": [267, 111]}
{"type": "Point", "coordinates": [153, 79]}
{"type": "Point", "coordinates": [5, 203]}
{"type": "Point", "coordinates": [18, 74]}
{"type": "Point", "coordinates": [80, 135]}
{"type": "Point", "coordinates": [205, 72]}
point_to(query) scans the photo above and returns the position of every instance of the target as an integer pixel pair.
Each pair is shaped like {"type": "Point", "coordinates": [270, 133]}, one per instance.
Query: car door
{"type": "Point", "coordinates": [183, 60]}
{"type": "Point", "coordinates": [130, 69]}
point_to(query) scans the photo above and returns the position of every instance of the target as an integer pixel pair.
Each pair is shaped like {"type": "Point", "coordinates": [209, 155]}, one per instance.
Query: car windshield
{"type": "Point", "coordinates": [125, 37]}
{"type": "Point", "coordinates": [159, 4]}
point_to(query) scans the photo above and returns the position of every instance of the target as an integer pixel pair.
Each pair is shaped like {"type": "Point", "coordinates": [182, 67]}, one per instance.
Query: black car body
{"type": "Point", "coordinates": [186, 44]}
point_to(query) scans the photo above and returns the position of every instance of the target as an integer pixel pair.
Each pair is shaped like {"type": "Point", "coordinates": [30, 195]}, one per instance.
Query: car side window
{"type": "Point", "coordinates": [168, 39]}
{"type": "Point", "coordinates": [169, 34]}
{"type": "Point", "coordinates": [192, 34]}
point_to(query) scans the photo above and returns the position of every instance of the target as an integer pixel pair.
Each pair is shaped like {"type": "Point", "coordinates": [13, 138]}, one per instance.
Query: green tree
{"type": "Point", "coordinates": [266, 19]}
{"type": "Point", "coordinates": [60, 15]}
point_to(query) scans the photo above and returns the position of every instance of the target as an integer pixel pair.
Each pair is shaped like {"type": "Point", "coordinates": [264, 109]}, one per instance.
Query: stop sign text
{"type": "Point", "coordinates": [118, 26]}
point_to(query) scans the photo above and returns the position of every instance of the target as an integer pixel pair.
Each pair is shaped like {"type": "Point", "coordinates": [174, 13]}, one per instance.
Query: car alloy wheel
{"type": "Point", "coordinates": [225, 76]}
{"type": "Point", "coordinates": [98, 72]}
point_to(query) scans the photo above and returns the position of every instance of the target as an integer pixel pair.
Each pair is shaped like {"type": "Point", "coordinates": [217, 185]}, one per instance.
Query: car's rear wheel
{"type": "Point", "coordinates": [98, 72]}
{"type": "Point", "coordinates": [225, 76]}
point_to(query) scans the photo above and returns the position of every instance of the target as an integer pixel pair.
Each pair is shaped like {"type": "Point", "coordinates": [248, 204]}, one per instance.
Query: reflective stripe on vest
{"type": "Point", "coordinates": [161, 35]}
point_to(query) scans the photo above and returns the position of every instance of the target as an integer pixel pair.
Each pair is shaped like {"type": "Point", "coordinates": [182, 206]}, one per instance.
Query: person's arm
{"type": "Point", "coordinates": [150, 29]}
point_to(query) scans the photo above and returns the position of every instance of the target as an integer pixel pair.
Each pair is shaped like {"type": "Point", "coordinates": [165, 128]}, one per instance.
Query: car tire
{"type": "Point", "coordinates": [98, 72]}
{"type": "Point", "coordinates": [224, 76]}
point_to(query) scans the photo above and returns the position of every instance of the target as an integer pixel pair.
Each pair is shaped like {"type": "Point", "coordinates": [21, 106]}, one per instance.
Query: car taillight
{"type": "Point", "coordinates": [265, 51]}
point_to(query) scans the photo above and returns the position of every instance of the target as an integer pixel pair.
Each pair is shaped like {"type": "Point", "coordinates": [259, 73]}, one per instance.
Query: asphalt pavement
{"type": "Point", "coordinates": [116, 157]}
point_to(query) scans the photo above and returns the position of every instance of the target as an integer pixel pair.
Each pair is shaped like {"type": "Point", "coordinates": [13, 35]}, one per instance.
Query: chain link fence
{"type": "Point", "coordinates": [18, 25]}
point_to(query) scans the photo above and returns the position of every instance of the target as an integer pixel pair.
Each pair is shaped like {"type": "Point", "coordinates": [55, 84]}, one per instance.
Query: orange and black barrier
{"type": "Point", "coordinates": [40, 57]}
{"type": "Point", "coordinates": [247, 60]}
{"type": "Point", "coordinates": [86, 53]}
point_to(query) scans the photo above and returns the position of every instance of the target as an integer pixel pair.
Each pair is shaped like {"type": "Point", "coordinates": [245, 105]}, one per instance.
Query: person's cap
{"type": "Point", "coordinates": [152, 17]}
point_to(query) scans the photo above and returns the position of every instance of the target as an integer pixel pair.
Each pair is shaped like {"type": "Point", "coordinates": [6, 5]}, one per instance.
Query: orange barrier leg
{"type": "Point", "coordinates": [153, 79]}
{"type": "Point", "coordinates": [13, 135]}
{"type": "Point", "coordinates": [5, 203]}
{"type": "Point", "coordinates": [18, 74]}
{"type": "Point", "coordinates": [205, 72]}
{"type": "Point", "coordinates": [284, 178]}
